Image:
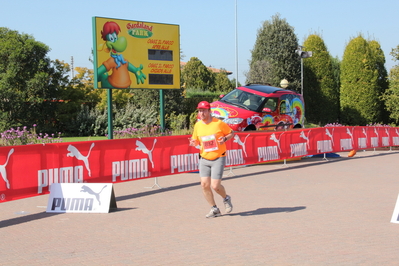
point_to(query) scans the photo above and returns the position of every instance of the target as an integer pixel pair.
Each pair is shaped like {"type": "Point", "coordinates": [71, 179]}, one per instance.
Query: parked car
{"type": "Point", "coordinates": [260, 107]}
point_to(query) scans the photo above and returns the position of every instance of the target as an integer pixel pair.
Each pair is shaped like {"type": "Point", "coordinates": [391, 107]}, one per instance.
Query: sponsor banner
{"type": "Point", "coordinates": [395, 215]}
{"type": "Point", "coordinates": [81, 198]}
{"type": "Point", "coordinates": [29, 170]}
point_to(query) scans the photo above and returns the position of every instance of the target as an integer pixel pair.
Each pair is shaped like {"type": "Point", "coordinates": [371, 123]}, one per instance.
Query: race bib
{"type": "Point", "coordinates": [209, 143]}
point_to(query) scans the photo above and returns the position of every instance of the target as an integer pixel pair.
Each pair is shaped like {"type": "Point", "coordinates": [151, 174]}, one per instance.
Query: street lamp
{"type": "Point", "coordinates": [284, 83]}
{"type": "Point", "coordinates": [303, 54]}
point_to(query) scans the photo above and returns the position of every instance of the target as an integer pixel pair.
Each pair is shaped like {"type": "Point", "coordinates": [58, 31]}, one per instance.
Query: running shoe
{"type": "Point", "coordinates": [215, 212]}
{"type": "Point", "coordinates": [227, 204]}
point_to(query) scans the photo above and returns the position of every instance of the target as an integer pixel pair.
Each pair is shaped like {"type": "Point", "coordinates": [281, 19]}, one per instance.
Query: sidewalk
{"type": "Point", "coordinates": [309, 212]}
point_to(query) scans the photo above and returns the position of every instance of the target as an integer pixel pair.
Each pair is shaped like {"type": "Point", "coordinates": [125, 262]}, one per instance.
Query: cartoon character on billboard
{"type": "Point", "coordinates": [120, 67]}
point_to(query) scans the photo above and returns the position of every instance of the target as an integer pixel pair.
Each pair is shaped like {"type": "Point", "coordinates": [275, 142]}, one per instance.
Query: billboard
{"type": "Point", "coordinates": [135, 54]}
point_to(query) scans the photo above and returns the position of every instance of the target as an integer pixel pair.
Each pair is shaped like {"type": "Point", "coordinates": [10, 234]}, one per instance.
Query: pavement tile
{"type": "Point", "coordinates": [307, 212]}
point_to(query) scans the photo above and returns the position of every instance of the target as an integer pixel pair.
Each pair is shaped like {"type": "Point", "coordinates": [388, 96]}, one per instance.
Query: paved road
{"type": "Point", "coordinates": [313, 212]}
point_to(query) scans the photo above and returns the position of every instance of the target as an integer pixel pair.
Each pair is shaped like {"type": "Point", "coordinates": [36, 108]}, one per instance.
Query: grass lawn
{"type": "Point", "coordinates": [74, 139]}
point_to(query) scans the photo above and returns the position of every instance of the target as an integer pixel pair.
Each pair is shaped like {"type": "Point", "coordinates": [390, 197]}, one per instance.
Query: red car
{"type": "Point", "coordinates": [260, 107]}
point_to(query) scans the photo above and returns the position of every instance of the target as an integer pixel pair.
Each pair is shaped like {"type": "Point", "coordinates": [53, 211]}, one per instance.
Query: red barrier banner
{"type": "Point", "coordinates": [29, 170]}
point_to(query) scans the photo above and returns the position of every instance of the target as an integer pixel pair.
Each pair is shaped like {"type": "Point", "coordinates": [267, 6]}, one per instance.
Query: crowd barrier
{"type": "Point", "coordinates": [29, 170]}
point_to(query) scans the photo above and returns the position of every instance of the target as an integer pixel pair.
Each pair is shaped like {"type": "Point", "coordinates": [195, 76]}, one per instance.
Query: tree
{"type": "Point", "coordinates": [29, 81]}
{"type": "Point", "coordinates": [360, 92]}
{"type": "Point", "coordinates": [260, 72]}
{"type": "Point", "coordinates": [145, 98]}
{"type": "Point", "coordinates": [276, 43]}
{"type": "Point", "coordinates": [67, 103]}
{"type": "Point", "coordinates": [391, 95]}
{"type": "Point", "coordinates": [222, 82]}
{"type": "Point", "coordinates": [196, 75]}
{"type": "Point", "coordinates": [71, 97]}
{"type": "Point", "coordinates": [120, 97]}
{"type": "Point", "coordinates": [336, 65]}
{"type": "Point", "coordinates": [84, 80]}
{"type": "Point", "coordinates": [320, 88]}
{"type": "Point", "coordinates": [382, 79]}
{"type": "Point", "coordinates": [235, 84]}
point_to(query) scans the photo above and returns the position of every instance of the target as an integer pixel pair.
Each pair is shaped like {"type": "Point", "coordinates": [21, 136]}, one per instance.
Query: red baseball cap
{"type": "Point", "coordinates": [204, 105]}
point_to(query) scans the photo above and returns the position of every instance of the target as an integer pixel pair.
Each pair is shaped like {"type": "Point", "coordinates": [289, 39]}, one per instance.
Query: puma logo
{"type": "Point", "coordinates": [242, 144]}
{"type": "Point", "coordinates": [376, 132]}
{"type": "Point", "coordinates": [387, 132]}
{"type": "Point", "coordinates": [305, 137]}
{"type": "Point", "coordinates": [350, 133]}
{"type": "Point", "coordinates": [274, 138]}
{"type": "Point", "coordinates": [91, 192]}
{"type": "Point", "coordinates": [74, 152]}
{"type": "Point", "coordinates": [141, 147]}
{"type": "Point", "coordinates": [330, 135]}
{"type": "Point", "coordinates": [364, 132]}
{"type": "Point", "coordinates": [3, 169]}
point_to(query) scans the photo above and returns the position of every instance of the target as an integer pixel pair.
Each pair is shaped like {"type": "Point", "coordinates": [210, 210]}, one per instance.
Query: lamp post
{"type": "Point", "coordinates": [303, 55]}
{"type": "Point", "coordinates": [236, 49]}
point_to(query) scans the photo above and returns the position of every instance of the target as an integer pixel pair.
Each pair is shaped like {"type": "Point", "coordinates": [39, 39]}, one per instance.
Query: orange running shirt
{"type": "Point", "coordinates": [208, 134]}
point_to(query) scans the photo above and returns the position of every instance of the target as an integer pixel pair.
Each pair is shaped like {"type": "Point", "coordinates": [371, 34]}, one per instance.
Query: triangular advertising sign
{"type": "Point", "coordinates": [81, 198]}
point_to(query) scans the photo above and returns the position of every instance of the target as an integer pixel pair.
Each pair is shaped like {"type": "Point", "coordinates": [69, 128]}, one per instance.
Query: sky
{"type": "Point", "coordinates": [220, 33]}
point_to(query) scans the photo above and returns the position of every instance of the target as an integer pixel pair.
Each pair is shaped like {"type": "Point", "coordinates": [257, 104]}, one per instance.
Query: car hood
{"type": "Point", "coordinates": [223, 110]}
